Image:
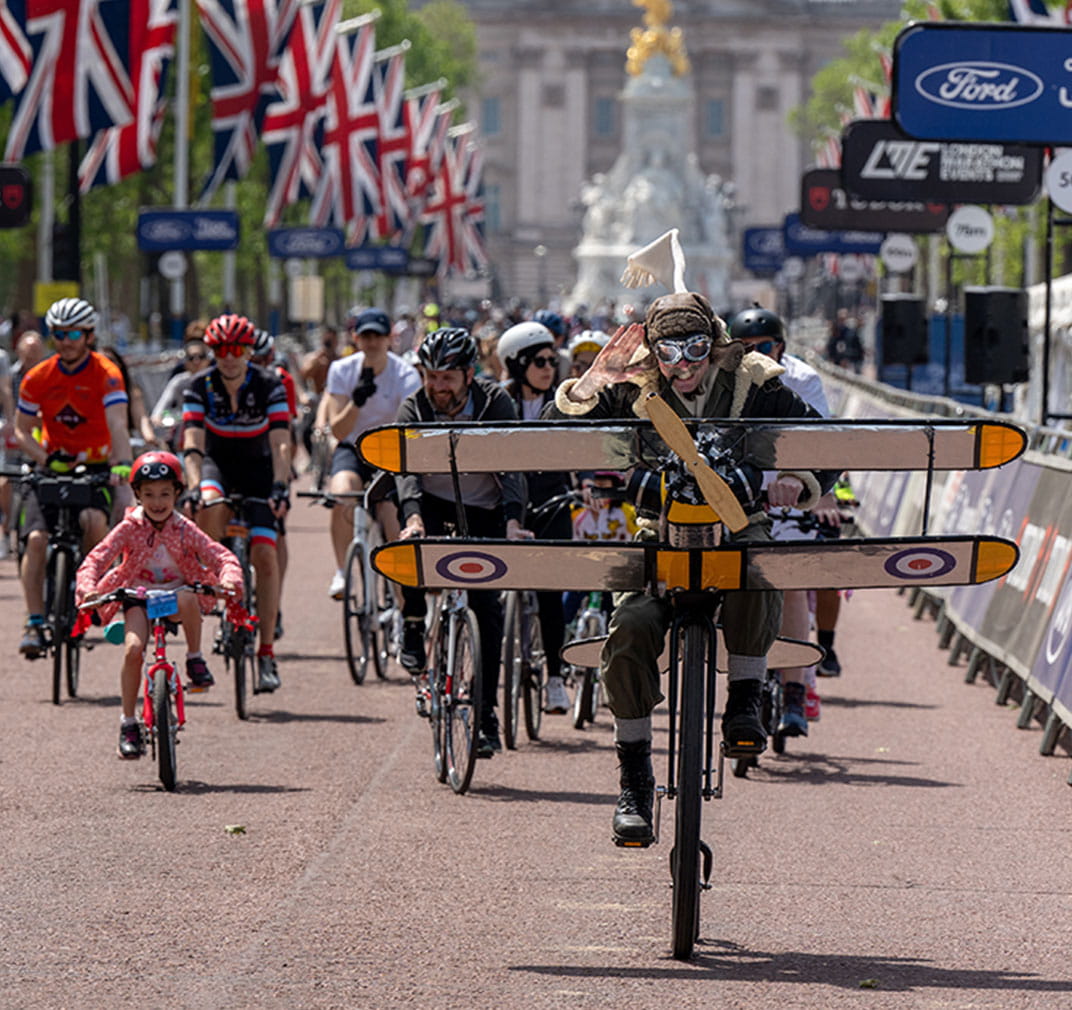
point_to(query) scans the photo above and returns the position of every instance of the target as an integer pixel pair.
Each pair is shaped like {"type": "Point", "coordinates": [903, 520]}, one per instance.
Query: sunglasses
{"type": "Point", "coordinates": [196, 357]}
{"type": "Point", "coordinates": [763, 346]}
{"type": "Point", "coordinates": [68, 334]}
{"type": "Point", "coordinates": [229, 350]}
{"type": "Point", "coordinates": [694, 348]}
{"type": "Point", "coordinates": [544, 361]}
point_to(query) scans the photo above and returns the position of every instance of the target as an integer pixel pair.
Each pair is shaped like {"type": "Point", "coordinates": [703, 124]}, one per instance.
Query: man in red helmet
{"type": "Point", "coordinates": [236, 440]}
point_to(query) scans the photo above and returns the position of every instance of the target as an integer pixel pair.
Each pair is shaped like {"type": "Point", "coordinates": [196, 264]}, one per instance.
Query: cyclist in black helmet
{"type": "Point", "coordinates": [493, 503]}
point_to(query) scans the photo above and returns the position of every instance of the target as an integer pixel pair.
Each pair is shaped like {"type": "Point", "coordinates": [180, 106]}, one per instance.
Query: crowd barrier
{"type": "Point", "coordinates": [1018, 628]}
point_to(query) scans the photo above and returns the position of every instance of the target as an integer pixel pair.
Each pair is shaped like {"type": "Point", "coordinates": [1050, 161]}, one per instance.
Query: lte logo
{"type": "Point", "coordinates": [899, 159]}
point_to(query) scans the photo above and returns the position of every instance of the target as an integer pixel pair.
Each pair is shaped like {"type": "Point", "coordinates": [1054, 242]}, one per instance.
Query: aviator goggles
{"type": "Point", "coordinates": [692, 349]}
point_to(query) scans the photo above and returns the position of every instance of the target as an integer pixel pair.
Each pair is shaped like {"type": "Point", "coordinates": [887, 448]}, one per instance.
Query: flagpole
{"type": "Point", "coordinates": [425, 89]}
{"type": "Point", "coordinates": [356, 24]}
{"type": "Point", "coordinates": [182, 152]}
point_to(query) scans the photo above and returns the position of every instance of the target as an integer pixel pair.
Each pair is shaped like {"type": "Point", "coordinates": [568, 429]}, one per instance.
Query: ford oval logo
{"type": "Point", "coordinates": [979, 85]}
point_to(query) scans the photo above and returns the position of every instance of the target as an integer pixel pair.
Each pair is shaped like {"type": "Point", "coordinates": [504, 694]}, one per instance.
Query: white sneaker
{"type": "Point", "coordinates": [337, 589]}
{"type": "Point", "coordinates": [558, 702]}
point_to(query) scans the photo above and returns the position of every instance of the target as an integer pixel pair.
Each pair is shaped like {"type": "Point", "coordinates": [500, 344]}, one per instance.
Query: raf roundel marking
{"type": "Point", "coordinates": [471, 567]}
{"type": "Point", "coordinates": [920, 563]}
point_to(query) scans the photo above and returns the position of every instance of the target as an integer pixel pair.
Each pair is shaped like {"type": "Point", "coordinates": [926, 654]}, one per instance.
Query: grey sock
{"type": "Point", "coordinates": [632, 730]}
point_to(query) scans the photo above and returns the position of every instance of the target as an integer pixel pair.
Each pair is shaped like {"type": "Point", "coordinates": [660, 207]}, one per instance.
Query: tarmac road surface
{"type": "Point", "coordinates": [912, 852]}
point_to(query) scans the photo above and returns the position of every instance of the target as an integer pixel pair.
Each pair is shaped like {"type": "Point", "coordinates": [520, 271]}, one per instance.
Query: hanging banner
{"type": "Point", "coordinates": [880, 162]}
{"type": "Point", "coordinates": [956, 81]}
{"type": "Point", "coordinates": [764, 250]}
{"type": "Point", "coordinates": [824, 204]}
{"type": "Point", "coordinates": [800, 240]}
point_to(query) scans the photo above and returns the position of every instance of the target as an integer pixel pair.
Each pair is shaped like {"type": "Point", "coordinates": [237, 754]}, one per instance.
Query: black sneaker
{"type": "Point", "coordinates": [200, 678]}
{"type": "Point", "coordinates": [267, 675]}
{"type": "Point", "coordinates": [412, 655]}
{"type": "Point", "coordinates": [829, 667]}
{"type": "Point", "coordinates": [743, 734]}
{"type": "Point", "coordinates": [488, 742]}
{"type": "Point", "coordinates": [33, 644]}
{"type": "Point", "coordinates": [131, 744]}
{"type": "Point", "coordinates": [794, 719]}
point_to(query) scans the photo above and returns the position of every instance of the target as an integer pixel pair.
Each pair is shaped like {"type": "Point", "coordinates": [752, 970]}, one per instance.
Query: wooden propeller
{"type": "Point", "coordinates": [676, 435]}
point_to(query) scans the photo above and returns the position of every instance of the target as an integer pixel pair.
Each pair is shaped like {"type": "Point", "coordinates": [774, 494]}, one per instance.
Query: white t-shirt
{"type": "Point", "coordinates": [393, 385]}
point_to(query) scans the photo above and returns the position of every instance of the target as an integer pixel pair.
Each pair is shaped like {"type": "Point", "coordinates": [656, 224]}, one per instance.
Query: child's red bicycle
{"type": "Point", "coordinates": [163, 711]}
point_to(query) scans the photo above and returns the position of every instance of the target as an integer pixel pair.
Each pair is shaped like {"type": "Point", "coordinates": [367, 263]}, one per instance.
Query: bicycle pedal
{"type": "Point", "coordinates": [632, 843]}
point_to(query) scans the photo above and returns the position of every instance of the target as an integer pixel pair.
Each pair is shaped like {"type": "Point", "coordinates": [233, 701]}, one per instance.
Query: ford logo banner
{"type": "Point", "coordinates": [305, 243]}
{"type": "Point", "coordinates": [983, 82]}
{"type": "Point", "coordinates": [161, 230]}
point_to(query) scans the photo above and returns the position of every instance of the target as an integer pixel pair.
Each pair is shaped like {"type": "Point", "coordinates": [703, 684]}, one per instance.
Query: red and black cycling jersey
{"type": "Point", "coordinates": [262, 407]}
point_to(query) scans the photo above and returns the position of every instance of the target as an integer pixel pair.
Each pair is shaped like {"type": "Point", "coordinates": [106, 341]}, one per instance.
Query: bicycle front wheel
{"type": "Point", "coordinates": [60, 621]}
{"type": "Point", "coordinates": [165, 727]}
{"type": "Point", "coordinates": [511, 666]}
{"type": "Point", "coordinates": [586, 698]}
{"type": "Point", "coordinates": [73, 651]}
{"type": "Point", "coordinates": [240, 664]}
{"type": "Point", "coordinates": [533, 665]}
{"type": "Point", "coordinates": [464, 704]}
{"type": "Point", "coordinates": [355, 613]}
{"type": "Point", "coordinates": [685, 857]}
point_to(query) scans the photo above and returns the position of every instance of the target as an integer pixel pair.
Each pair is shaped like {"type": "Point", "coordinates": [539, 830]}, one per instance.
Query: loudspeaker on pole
{"type": "Point", "coordinates": [995, 336]}
{"type": "Point", "coordinates": [904, 330]}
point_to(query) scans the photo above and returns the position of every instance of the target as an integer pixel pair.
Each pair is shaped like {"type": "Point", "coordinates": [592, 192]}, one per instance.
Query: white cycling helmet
{"type": "Point", "coordinates": [71, 314]}
{"type": "Point", "coordinates": [263, 342]}
{"type": "Point", "coordinates": [588, 340]}
{"type": "Point", "coordinates": [521, 338]}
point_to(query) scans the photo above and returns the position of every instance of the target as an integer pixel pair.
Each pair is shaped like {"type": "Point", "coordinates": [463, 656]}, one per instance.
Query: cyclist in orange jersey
{"type": "Point", "coordinates": [78, 399]}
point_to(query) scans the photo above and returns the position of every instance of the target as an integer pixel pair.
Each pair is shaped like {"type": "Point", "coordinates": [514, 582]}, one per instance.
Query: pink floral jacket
{"type": "Point", "coordinates": [122, 557]}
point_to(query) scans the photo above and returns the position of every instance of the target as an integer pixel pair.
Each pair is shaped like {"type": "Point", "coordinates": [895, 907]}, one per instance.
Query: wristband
{"type": "Point", "coordinates": [121, 470]}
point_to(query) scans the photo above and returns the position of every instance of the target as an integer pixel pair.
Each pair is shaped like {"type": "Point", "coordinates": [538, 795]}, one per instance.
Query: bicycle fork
{"type": "Point", "coordinates": [163, 668]}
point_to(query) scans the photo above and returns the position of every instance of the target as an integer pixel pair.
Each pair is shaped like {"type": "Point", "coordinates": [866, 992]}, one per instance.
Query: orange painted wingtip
{"type": "Point", "coordinates": [994, 559]}
{"type": "Point", "coordinates": [999, 444]}
{"type": "Point", "coordinates": [382, 448]}
{"type": "Point", "coordinates": [398, 562]}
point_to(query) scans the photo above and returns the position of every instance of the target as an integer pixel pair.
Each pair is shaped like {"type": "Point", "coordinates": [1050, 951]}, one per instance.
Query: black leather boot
{"type": "Point", "coordinates": [632, 815]}
{"type": "Point", "coordinates": [742, 726]}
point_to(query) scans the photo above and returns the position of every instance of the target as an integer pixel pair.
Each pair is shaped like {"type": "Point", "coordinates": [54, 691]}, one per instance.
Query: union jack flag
{"type": "Point", "coordinates": [16, 56]}
{"type": "Point", "coordinates": [290, 124]}
{"type": "Point", "coordinates": [78, 81]}
{"type": "Point", "coordinates": [392, 146]}
{"type": "Point", "coordinates": [123, 150]}
{"type": "Point", "coordinates": [246, 39]}
{"type": "Point", "coordinates": [455, 210]}
{"type": "Point", "coordinates": [348, 193]}
{"type": "Point", "coordinates": [427, 122]}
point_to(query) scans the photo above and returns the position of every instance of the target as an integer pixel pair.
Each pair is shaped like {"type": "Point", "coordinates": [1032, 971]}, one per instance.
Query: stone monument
{"type": "Point", "coordinates": [656, 183]}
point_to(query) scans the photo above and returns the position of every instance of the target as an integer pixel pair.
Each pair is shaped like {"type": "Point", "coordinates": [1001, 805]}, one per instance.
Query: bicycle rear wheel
{"type": "Point", "coordinates": [437, 678]}
{"type": "Point", "coordinates": [60, 618]}
{"type": "Point", "coordinates": [533, 665]}
{"type": "Point", "coordinates": [355, 613]}
{"type": "Point", "coordinates": [511, 666]}
{"type": "Point", "coordinates": [685, 857]}
{"type": "Point", "coordinates": [465, 700]}
{"type": "Point", "coordinates": [165, 727]}
{"type": "Point", "coordinates": [586, 698]}
{"type": "Point", "coordinates": [381, 605]}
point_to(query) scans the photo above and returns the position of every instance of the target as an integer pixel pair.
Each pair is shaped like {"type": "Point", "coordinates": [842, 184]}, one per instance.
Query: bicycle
{"type": "Point", "coordinates": [236, 638]}
{"type": "Point", "coordinates": [524, 660]}
{"type": "Point", "coordinates": [591, 623]}
{"type": "Point", "coordinates": [163, 701]}
{"type": "Point", "coordinates": [455, 683]}
{"type": "Point", "coordinates": [69, 494]}
{"type": "Point", "coordinates": [371, 618]}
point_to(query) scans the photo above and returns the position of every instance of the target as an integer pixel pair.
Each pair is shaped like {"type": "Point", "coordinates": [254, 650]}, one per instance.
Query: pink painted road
{"type": "Point", "coordinates": [913, 852]}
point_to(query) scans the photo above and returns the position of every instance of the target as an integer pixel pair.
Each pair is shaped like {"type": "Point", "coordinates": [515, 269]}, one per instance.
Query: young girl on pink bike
{"type": "Point", "coordinates": [155, 547]}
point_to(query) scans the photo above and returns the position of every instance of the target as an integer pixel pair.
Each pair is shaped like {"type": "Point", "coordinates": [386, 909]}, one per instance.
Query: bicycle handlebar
{"type": "Point", "coordinates": [142, 595]}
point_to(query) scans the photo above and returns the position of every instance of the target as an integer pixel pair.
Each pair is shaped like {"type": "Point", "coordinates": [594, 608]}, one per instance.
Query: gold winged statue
{"type": "Point", "coordinates": [655, 38]}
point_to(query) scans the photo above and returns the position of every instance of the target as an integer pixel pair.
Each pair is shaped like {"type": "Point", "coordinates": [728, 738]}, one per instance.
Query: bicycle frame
{"type": "Point", "coordinates": [161, 666]}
